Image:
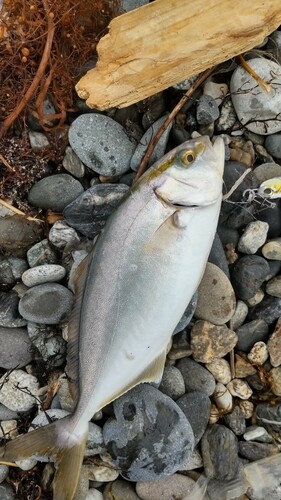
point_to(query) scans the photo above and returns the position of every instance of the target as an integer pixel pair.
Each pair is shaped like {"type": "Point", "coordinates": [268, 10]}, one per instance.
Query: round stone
{"type": "Point", "coordinates": [258, 354]}
{"type": "Point", "coordinates": [175, 486]}
{"type": "Point", "coordinates": [256, 451]}
{"type": "Point", "coordinates": [101, 143]}
{"type": "Point", "coordinates": [150, 437]}
{"type": "Point", "coordinates": [220, 369]}
{"type": "Point", "coordinates": [272, 249]}
{"type": "Point", "coordinates": [216, 298]}
{"type": "Point", "coordinates": [172, 383]}
{"type": "Point", "coordinates": [248, 275]}
{"type": "Point", "coordinates": [217, 91]}
{"type": "Point", "coordinates": [196, 406]}
{"type": "Point", "coordinates": [239, 388]}
{"type": "Point", "coordinates": [187, 315]}
{"type": "Point", "coordinates": [269, 309]}
{"type": "Point", "coordinates": [209, 341]}
{"type": "Point", "coordinates": [196, 377]}
{"type": "Point", "coordinates": [15, 348]}
{"type": "Point", "coordinates": [19, 390]}
{"type": "Point", "coordinates": [267, 171]}
{"type": "Point", "coordinates": [207, 110]}
{"type": "Point", "coordinates": [7, 492]}
{"type": "Point", "coordinates": [223, 398]}
{"type": "Point", "coordinates": [49, 304]}
{"type": "Point", "coordinates": [273, 287]}
{"type": "Point", "coordinates": [273, 145]}
{"type": "Point", "coordinates": [256, 108]}
{"type": "Point", "coordinates": [43, 274]}
{"type": "Point", "coordinates": [219, 447]}
{"type": "Point", "coordinates": [94, 494]}
{"type": "Point", "coordinates": [119, 490]}
{"type": "Point", "coordinates": [17, 234]}
{"type": "Point", "coordinates": [253, 237]}
{"type": "Point", "coordinates": [72, 163]}
{"type": "Point", "coordinates": [240, 314]}
{"type": "Point", "coordinates": [55, 192]}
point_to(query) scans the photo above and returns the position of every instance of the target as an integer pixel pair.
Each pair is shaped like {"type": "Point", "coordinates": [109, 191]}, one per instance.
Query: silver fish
{"type": "Point", "coordinates": [271, 188]}
{"type": "Point", "coordinates": [130, 294]}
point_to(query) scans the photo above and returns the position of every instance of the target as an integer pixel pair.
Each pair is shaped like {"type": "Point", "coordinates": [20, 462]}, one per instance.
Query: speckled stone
{"type": "Point", "coordinates": [176, 486]}
{"type": "Point", "coordinates": [72, 163]}
{"type": "Point", "coordinates": [272, 249]}
{"type": "Point", "coordinates": [258, 354]}
{"type": "Point", "coordinates": [269, 416]}
{"type": "Point", "coordinates": [49, 342]}
{"type": "Point", "coordinates": [7, 492]}
{"type": "Point", "coordinates": [101, 143]}
{"type": "Point", "coordinates": [219, 447]}
{"type": "Point", "coordinates": [43, 274]}
{"type": "Point", "coordinates": [274, 377]}
{"type": "Point", "coordinates": [120, 490]}
{"type": "Point", "coordinates": [220, 369]}
{"type": "Point", "coordinates": [269, 309]}
{"type": "Point", "coordinates": [256, 451]}
{"type": "Point", "coordinates": [4, 469]}
{"type": "Point", "coordinates": [243, 367]}
{"type": "Point", "coordinates": [55, 192]}
{"type": "Point", "coordinates": [256, 108]}
{"type": "Point", "coordinates": [253, 237]}
{"type": "Point", "coordinates": [41, 253]}
{"type": "Point", "coordinates": [62, 234]}
{"type": "Point", "coordinates": [196, 377]}
{"type": "Point", "coordinates": [17, 234]}
{"type": "Point", "coordinates": [11, 269]}
{"type": "Point", "coordinates": [172, 383]}
{"type": "Point", "coordinates": [248, 275]}
{"type": "Point", "coordinates": [134, 438]}
{"type": "Point", "coordinates": [209, 341]}
{"type": "Point", "coordinates": [15, 348]}
{"type": "Point", "coordinates": [207, 110]}
{"type": "Point", "coordinates": [101, 473]}
{"type": "Point", "coordinates": [239, 388]}
{"type": "Point", "coordinates": [274, 345]}
{"type": "Point", "coordinates": [236, 421]}
{"type": "Point", "coordinates": [196, 406]}
{"type": "Point", "coordinates": [49, 304]}
{"type": "Point", "coordinates": [216, 298]}
{"type": "Point", "coordinates": [267, 171]}
{"type": "Point", "coordinates": [227, 116]}
{"type": "Point", "coordinates": [257, 433]}
{"type": "Point", "coordinates": [9, 314]}
{"type": "Point", "coordinates": [19, 390]}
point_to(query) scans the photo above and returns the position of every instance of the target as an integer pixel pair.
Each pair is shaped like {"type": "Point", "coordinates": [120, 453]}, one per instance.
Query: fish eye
{"type": "Point", "coordinates": [268, 191]}
{"type": "Point", "coordinates": [187, 157]}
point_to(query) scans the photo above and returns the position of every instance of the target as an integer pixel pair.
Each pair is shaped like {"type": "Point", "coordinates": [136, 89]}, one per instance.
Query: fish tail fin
{"type": "Point", "coordinates": [58, 441]}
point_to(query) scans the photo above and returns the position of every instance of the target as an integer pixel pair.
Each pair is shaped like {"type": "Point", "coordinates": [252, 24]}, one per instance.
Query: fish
{"type": "Point", "coordinates": [271, 188]}
{"type": "Point", "coordinates": [130, 294]}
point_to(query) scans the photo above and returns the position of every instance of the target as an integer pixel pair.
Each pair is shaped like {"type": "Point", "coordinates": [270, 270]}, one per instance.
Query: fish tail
{"type": "Point", "coordinates": [58, 441]}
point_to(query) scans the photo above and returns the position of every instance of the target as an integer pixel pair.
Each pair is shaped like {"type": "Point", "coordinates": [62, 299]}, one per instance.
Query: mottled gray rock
{"type": "Point", "coordinates": [101, 143]}
{"type": "Point", "coordinates": [253, 237]}
{"type": "Point", "coordinates": [257, 433]}
{"type": "Point", "coordinates": [257, 109]}
{"type": "Point", "coordinates": [38, 141]}
{"type": "Point", "coordinates": [7, 492]}
{"type": "Point", "coordinates": [88, 213]}
{"type": "Point", "coordinates": [130, 5]}
{"type": "Point", "coordinates": [43, 274]}
{"type": "Point", "coordinates": [15, 348]}
{"type": "Point", "coordinates": [196, 406]}
{"type": "Point", "coordinates": [220, 369]}
{"type": "Point", "coordinates": [256, 451]}
{"type": "Point", "coordinates": [49, 343]}
{"type": "Point", "coordinates": [55, 192]}
{"type": "Point", "coordinates": [219, 447]}
{"type": "Point", "coordinates": [19, 390]}
{"type": "Point", "coordinates": [186, 84]}
{"type": "Point", "coordinates": [7, 414]}
{"type": "Point", "coordinates": [176, 486]}
{"type": "Point", "coordinates": [240, 314]}
{"type": "Point", "coordinates": [187, 315]}
{"type": "Point", "coordinates": [11, 269]}
{"type": "Point", "coordinates": [144, 143]}
{"type": "Point", "coordinates": [269, 309]}
{"type": "Point", "coordinates": [207, 110]}
{"type": "Point", "coordinates": [196, 377]}
{"type": "Point", "coordinates": [267, 171]}
{"type": "Point", "coordinates": [236, 421]}
{"type": "Point", "coordinates": [150, 437]}
{"type": "Point", "coordinates": [227, 116]}
{"type": "Point", "coordinates": [49, 304]}
{"type": "Point", "coordinates": [273, 145]}
{"type": "Point", "coordinates": [61, 234]}
{"type": "Point", "coordinates": [9, 314]}
{"type": "Point", "coordinates": [17, 234]}
{"type": "Point", "coordinates": [72, 163]}
{"type": "Point", "coordinates": [41, 253]}
{"type": "Point", "coordinates": [209, 341]}
{"type": "Point", "coordinates": [172, 383]}
{"type": "Point", "coordinates": [216, 298]}
{"type": "Point", "coordinates": [273, 287]}
{"type": "Point", "coordinates": [269, 416]}
{"type": "Point", "coordinates": [248, 275]}
{"type": "Point", "coordinates": [250, 333]}
{"type": "Point", "coordinates": [4, 469]}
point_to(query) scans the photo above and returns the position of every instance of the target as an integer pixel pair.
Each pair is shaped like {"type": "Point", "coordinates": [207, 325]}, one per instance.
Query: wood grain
{"type": "Point", "coordinates": [166, 41]}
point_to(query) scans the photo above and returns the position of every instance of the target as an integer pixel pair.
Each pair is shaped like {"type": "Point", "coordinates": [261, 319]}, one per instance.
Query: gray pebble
{"type": "Point", "coordinates": [269, 309]}
{"type": "Point", "coordinates": [216, 298]}
{"type": "Point", "coordinates": [49, 304]}
{"type": "Point", "coordinates": [17, 234]}
{"type": "Point", "coordinates": [196, 406]}
{"type": "Point", "coordinates": [72, 163]}
{"type": "Point", "coordinates": [132, 4]}
{"type": "Point", "coordinates": [256, 451]}
{"type": "Point", "coordinates": [61, 234]}
{"type": "Point", "coordinates": [38, 141]}
{"type": "Point", "coordinates": [88, 213]}
{"type": "Point", "coordinates": [239, 315]}
{"type": "Point", "coordinates": [273, 145]}
{"type": "Point", "coordinates": [9, 314]}
{"type": "Point", "coordinates": [227, 116]}
{"type": "Point", "coordinates": [254, 237]}
{"type": "Point", "coordinates": [41, 253]}
{"type": "Point", "coordinates": [248, 274]}
{"type": "Point", "coordinates": [159, 150]}
{"type": "Point", "coordinates": [7, 492]}
{"type": "Point", "coordinates": [55, 192]}
{"type": "Point", "coordinates": [269, 416]}
{"type": "Point", "coordinates": [267, 171]}
{"type": "Point", "coordinates": [172, 383]}
{"type": "Point", "coordinates": [4, 469]}
{"type": "Point", "coordinates": [11, 269]}
{"type": "Point", "coordinates": [219, 447]}
{"type": "Point", "coordinates": [236, 421]}
{"type": "Point", "coordinates": [43, 274]}
{"type": "Point", "coordinates": [186, 84]}
{"type": "Point", "coordinates": [49, 343]}
{"type": "Point", "coordinates": [7, 414]}
{"type": "Point", "coordinates": [250, 333]}
{"type": "Point", "coordinates": [118, 490]}
{"type": "Point", "coordinates": [95, 443]}
{"type": "Point", "coordinates": [19, 391]}
{"type": "Point", "coordinates": [207, 110]}
{"type": "Point", "coordinates": [196, 377]}
{"type": "Point", "coordinates": [101, 144]}
{"type": "Point", "coordinates": [217, 255]}
{"type": "Point", "coordinates": [256, 108]}
{"type": "Point", "coordinates": [257, 433]}
{"type": "Point", "coordinates": [216, 90]}
{"type": "Point", "coordinates": [15, 348]}
{"type": "Point", "coordinates": [176, 486]}
{"type": "Point", "coordinates": [150, 437]}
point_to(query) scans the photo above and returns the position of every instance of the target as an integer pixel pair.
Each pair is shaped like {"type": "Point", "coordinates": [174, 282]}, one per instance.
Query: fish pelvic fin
{"type": "Point", "coordinates": [60, 443]}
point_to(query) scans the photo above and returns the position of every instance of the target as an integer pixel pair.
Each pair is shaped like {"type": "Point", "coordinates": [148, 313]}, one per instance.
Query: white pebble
{"type": "Point", "coordinates": [101, 473]}
{"type": "Point", "coordinates": [256, 299]}
{"type": "Point", "coordinates": [223, 398]}
{"type": "Point", "coordinates": [19, 390]}
{"type": "Point", "coordinates": [253, 237]}
{"type": "Point", "coordinates": [239, 388]}
{"type": "Point", "coordinates": [94, 494]}
{"type": "Point", "coordinates": [258, 354]}
{"type": "Point", "coordinates": [43, 274]}
{"type": "Point", "coordinates": [220, 369]}
{"type": "Point", "coordinates": [26, 463]}
{"type": "Point", "coordinates": [255, 434]}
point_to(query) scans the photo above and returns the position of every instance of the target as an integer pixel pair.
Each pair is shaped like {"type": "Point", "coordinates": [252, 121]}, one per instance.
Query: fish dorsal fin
{"type": "Point", "coordinates": [78, 283]}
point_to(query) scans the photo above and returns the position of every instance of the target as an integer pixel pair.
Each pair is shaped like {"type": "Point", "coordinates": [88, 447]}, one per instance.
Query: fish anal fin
{"type": "Point", "coordinates": [78, 283]}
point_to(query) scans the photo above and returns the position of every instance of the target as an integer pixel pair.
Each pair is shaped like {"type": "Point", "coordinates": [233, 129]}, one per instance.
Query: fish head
{"type": "Point", "coordinates": [191, 174]}
{"type": "Point", "coordinates": [271, 188]}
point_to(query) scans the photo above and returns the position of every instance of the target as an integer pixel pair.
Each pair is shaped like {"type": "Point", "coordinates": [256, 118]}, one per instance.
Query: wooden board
{"type": "Point", "coordinates": [166, 41]}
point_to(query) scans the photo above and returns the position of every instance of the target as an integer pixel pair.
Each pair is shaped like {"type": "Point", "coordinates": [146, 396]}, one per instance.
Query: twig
{"type": "Point", "coordinates": [6, 163]}
{"type": "Point", "coordinates": [177, 108]}
{"type": "Point", "coordinates": [37, 78]}
{"type": "Point", "coordinates": [247, 67]}
{"type": "Point", "coordinates": [236, 184]}
{"type": "Point", "coordinates": [17, 211]}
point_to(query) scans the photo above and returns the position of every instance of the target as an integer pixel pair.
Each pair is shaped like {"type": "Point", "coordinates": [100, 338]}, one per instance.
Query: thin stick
{"type": "Point", "coordinates": [261, 82]}
{"type": "Point", "coordinates": [17, 211]}
{"type": "Point", "coordinates": [6, 163]}
{"type": "Point", "coordinates": [236, 184]}
{"type": "Point", "coordinates": [37, 78]}
{"type": "Point", "coordinates": [160, 132]}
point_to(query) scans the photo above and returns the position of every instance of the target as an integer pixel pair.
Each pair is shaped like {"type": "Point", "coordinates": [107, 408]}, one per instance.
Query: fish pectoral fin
{"type": "Point", "coordinates": [154, 372]}
{"type": "Point", "coordinates": [53, 440]}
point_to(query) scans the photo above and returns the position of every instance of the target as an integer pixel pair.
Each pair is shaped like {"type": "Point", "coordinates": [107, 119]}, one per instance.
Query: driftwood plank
{"type": "Point", "coordinates": [164, 42]}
